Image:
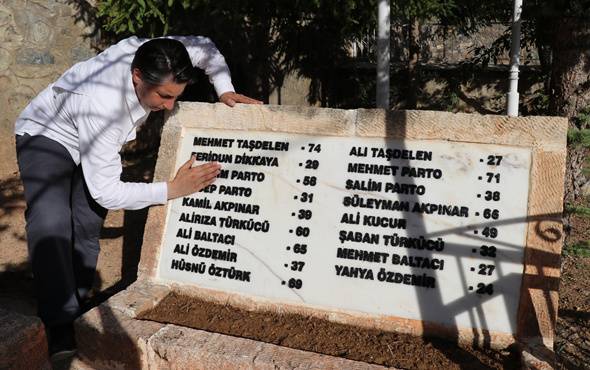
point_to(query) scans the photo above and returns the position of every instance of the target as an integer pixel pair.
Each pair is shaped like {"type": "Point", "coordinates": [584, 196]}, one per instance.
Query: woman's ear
{"type": "Point", "coordinates": [136, 76]}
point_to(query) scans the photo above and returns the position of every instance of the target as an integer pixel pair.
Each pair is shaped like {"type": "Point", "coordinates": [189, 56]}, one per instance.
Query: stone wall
{"type": "Point", "coordinates": [40, 39]}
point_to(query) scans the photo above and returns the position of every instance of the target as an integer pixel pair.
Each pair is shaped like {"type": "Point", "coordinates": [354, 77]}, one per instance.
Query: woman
{"type": "Point", "coordinates": [68, 143]}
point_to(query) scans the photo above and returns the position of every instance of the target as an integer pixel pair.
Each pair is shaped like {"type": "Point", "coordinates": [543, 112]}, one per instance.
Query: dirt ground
{"type": "Point", "coordinates": [117, 268]}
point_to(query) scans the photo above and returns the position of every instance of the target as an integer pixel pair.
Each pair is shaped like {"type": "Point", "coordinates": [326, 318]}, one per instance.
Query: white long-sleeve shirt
{"type": "Point", "coordinates": [92, 110]}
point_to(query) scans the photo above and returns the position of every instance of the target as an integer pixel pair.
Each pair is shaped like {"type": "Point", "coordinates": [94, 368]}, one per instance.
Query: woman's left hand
{"type": "Point", "coordinates": [230, 98]}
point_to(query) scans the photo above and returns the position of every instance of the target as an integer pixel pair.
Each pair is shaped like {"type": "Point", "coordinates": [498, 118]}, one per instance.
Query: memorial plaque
{"type": "Point", "coordinates": [416, 222]}
{"type": "Point", "coordinates": [424, 230]}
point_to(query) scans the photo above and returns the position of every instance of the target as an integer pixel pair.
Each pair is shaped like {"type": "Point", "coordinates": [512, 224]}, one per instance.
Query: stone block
{"type": "Point", "coordinates": [138, 298]}
{"type": "Point", "coordinates": [23, 344]}
{"type": "Point", "coordinates": [109, 338]}
{"type": "Point", "coordinates": [176, 347]}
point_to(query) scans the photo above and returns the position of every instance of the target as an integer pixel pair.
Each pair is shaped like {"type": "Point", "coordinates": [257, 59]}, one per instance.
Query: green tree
{"type": "Point", "coordinates": [263, 39]}
{"type": "Point", "coordinates": [414, 13]}
{"type": "Point", "coordinates": [457, 16]}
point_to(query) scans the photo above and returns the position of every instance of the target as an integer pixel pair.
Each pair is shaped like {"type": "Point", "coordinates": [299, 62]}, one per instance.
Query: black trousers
{"type": "Point", "coordinates": [63, 228]}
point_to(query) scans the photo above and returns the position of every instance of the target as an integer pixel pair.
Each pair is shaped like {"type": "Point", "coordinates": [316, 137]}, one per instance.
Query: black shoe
{"type": "Point", "coordinates": [61, 341]}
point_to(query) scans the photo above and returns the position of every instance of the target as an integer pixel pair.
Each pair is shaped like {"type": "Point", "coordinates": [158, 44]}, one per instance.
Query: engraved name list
{"type": "Point", "coordinates": [425, 230]}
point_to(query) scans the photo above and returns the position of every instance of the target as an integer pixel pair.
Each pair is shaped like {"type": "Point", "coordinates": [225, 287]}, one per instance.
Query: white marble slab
{"type": "Point", "coordinates": [319, 220]}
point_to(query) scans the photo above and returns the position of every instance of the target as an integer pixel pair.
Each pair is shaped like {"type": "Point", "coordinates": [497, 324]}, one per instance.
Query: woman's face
{"type": "Point", "coordinates": [156, 97]}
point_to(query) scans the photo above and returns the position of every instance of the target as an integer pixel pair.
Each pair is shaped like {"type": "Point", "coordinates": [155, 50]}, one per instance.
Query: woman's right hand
{"type": "Point", "coordinates": [191, 180]}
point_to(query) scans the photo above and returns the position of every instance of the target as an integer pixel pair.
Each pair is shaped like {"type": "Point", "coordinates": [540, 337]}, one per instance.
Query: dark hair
{"type": "Point", "coordinates": [158, 60]}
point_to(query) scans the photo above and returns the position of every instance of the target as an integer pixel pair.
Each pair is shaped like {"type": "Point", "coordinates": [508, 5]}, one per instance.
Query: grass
{"type": "Point", "coordinates": [577, 249]}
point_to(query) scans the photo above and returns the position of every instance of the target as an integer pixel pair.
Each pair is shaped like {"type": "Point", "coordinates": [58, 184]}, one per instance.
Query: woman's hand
{"type": "Point", "coordinates": [230, 98]}
{"type": "Point", "coordinates": [190, 180]}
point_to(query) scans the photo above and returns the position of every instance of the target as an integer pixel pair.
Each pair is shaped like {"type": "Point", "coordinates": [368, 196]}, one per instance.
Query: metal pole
{"type": "Point", "coordinates": [512, 98]}
{"type": "Point", "coordinates": [383, 19]}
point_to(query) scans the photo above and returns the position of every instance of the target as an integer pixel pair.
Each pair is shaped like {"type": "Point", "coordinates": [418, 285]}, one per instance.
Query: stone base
{"type": "Point", "coordinates": [23, 344]}
{"type": "Point", "coordinates": [110, 336]}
